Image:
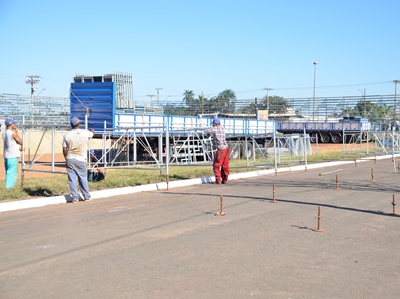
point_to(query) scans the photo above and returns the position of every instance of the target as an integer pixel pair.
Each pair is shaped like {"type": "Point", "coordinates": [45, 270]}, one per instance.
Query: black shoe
{"type": "Point", "coordinates": [224, 182]}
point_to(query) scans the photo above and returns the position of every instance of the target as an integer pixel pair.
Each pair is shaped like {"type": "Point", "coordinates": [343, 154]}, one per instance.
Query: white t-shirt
{"type": "Point", "coordinates": [11, 148]}
{"type": "Point", "coordinates": [76, 141]}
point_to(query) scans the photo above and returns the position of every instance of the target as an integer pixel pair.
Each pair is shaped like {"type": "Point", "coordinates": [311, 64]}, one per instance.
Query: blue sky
{"type": "Point", "coordinates": [205, 46]}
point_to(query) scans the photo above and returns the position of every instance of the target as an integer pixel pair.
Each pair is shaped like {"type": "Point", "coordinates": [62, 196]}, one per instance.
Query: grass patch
{"type": "Point", "coordinates": [116, 178]}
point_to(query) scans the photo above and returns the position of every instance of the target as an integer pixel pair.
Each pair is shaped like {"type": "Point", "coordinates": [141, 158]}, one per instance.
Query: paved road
{"type": "Point", "coordinates": [170, 244]}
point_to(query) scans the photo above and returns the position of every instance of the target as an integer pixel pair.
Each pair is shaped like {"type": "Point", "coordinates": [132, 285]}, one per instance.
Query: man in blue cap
{"type": "Point", "coordinates": [221, 156]}
{"type": "Point", "coordinates": [75, 152]}
{"type": "Point", "coordinates": [11, 152]}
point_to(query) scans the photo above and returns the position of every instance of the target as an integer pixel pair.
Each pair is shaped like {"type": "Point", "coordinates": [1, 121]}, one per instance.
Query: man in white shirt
{"type": "Point", "coordinates": [11, 153]}
{"type": "Point", "coordinates": [75, 152]}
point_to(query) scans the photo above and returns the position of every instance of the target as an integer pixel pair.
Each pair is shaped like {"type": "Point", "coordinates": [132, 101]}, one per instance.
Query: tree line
{"type": "Point", "coordinates": [226, 102]}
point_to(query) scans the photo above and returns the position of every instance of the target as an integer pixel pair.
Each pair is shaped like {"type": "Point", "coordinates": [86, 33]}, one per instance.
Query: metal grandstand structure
{"type": "Point", "coordinates": [128, 151]}
{"type": "Point", "coordinates": [47, 110]}
{"type": "Point", "coordinates": [49, 116]}
{"type": "Point", "coordinates": [55, 110]}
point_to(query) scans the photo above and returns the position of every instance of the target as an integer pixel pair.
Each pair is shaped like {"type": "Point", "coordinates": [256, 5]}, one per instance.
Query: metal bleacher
{"type": "Point", "coordinates": [35, 110]}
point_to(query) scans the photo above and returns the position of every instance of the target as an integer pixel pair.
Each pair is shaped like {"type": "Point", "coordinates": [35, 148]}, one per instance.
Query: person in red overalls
{"type": "Point", "coordinates": [221, 156]}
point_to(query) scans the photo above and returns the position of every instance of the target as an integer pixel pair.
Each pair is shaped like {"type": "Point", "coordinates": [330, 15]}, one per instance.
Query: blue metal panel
{"type": "Point", "coordinates": [97, 99]}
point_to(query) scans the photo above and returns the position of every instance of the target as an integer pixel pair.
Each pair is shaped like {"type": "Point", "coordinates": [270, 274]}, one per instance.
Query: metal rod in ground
{"type": "Point", "coordinates": [329, 172]}
{"type": "Point", "coordinates": [221, 202]}
{"type": "Point", "coordinates": [375, 159]}
{"type": "Point", "coordinates": [319, 229]}
{"type": "Point", "coordinates": [337, 183]}
{"type": "Point", "coordinates": [273, 194]}
{"type": "Point", "coordinates": [394, 204]}
{"type": "Point", "coordinates": [372, 175]}
{"type": "Point", "coordinates": [167, 178]}
{"type": "Point", "coordinates": [355, 162]}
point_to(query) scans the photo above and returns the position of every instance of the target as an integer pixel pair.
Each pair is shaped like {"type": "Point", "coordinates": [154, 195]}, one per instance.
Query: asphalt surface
{"type": "Point", "coordinates": [170, 244]}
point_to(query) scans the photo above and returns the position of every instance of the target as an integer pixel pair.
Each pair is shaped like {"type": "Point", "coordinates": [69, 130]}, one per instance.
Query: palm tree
{"type": "Point", "coordinates": [188, 97]}
{"type": "Point", "coordinates": [226, 99]}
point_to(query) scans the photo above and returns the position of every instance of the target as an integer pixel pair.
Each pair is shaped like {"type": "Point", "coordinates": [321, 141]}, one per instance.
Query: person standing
{"type": "Point", "coordinates": [11, 153]}
{"type": "Point", "coordinates": [75, 152]}
{"type": "Point", "coordinates": [221, 156]}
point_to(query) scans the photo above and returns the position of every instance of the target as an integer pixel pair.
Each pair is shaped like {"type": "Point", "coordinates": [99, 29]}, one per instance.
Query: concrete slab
{"type": "Point", "coordinates": [170, 244]}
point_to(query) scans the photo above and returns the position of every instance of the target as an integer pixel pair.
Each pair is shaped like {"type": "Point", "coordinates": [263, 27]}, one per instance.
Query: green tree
{"type": "Point", "coordinates": [374, 112]}
{"type": "Point", "coordinates": [188, 97]}
{"type": "Point", "coordinates": [381, 112]}
{"type": "Point", "coordinates": [275, 104]}
{"type": "Point", "coordinates": [202, 104]}
{"type": "Point", "coordinates": [226, 100]}
{"type": "Point", "coordinates": [363, 108]}
{"type": "Point", "coordinates": [210, 105]}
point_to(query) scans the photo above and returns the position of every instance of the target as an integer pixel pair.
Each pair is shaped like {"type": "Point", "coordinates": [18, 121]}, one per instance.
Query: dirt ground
{"type": "Point", "coordinates": [59, 159]}
{"type": "Point", "coordinates": [39, 165]}
{"type": "Point", "coordinates": [334, 147]}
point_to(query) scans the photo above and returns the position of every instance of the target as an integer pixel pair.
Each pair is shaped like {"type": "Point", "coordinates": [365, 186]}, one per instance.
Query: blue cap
{"type": "Point", "coordinates": [92, 152]}
{"type": "Point", "coordinates": [216, 121]}
{"type": "Point", "coordinates": [9, 121]}
{"type": "Point", "coordinates": [75, 121]}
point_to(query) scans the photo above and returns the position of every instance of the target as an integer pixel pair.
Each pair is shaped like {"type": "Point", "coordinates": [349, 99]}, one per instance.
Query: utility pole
{"type": "Point", "coordinates": [202, 103]}
{"type": "Point", "coordinates": [364, 104]}
{"type": "Point", "coordinates": [268, 89]}
{"type": "Point", "coordinates": [395, 103]}
{"type": "Point", "coordinates": [315, 77]}
{"type": "Point", "coordinates": [151, 99]}
{"type": "Point", "coordinates": [158, 95]}
{"type": "Point", "coordinates": [365, 108]}
{"type": "Point", "coordinates": [33, 79]}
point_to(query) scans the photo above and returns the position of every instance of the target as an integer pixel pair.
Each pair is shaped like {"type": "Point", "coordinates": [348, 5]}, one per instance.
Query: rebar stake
{"type": "Point", "coordinates": [398, 166]}
{"type": "Point", "coordinates": [167, 178]}
{"type": "Point", "coordinates": [273, 194]}
{"type": "Point", "coordinates": [372, 175]}
{"type": "Point", "coordinates": [337, 182]}
{"type": "Point", "coordinates": [355, 162]}
{"type": "Point", "coordinates": [394, 204]}
{"type": "Point", "coordinates": [319, 229]}
{"type": "Point", "coordinates": [221, 213]}
{"type": "Point", "coordinates": [375, 159]}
